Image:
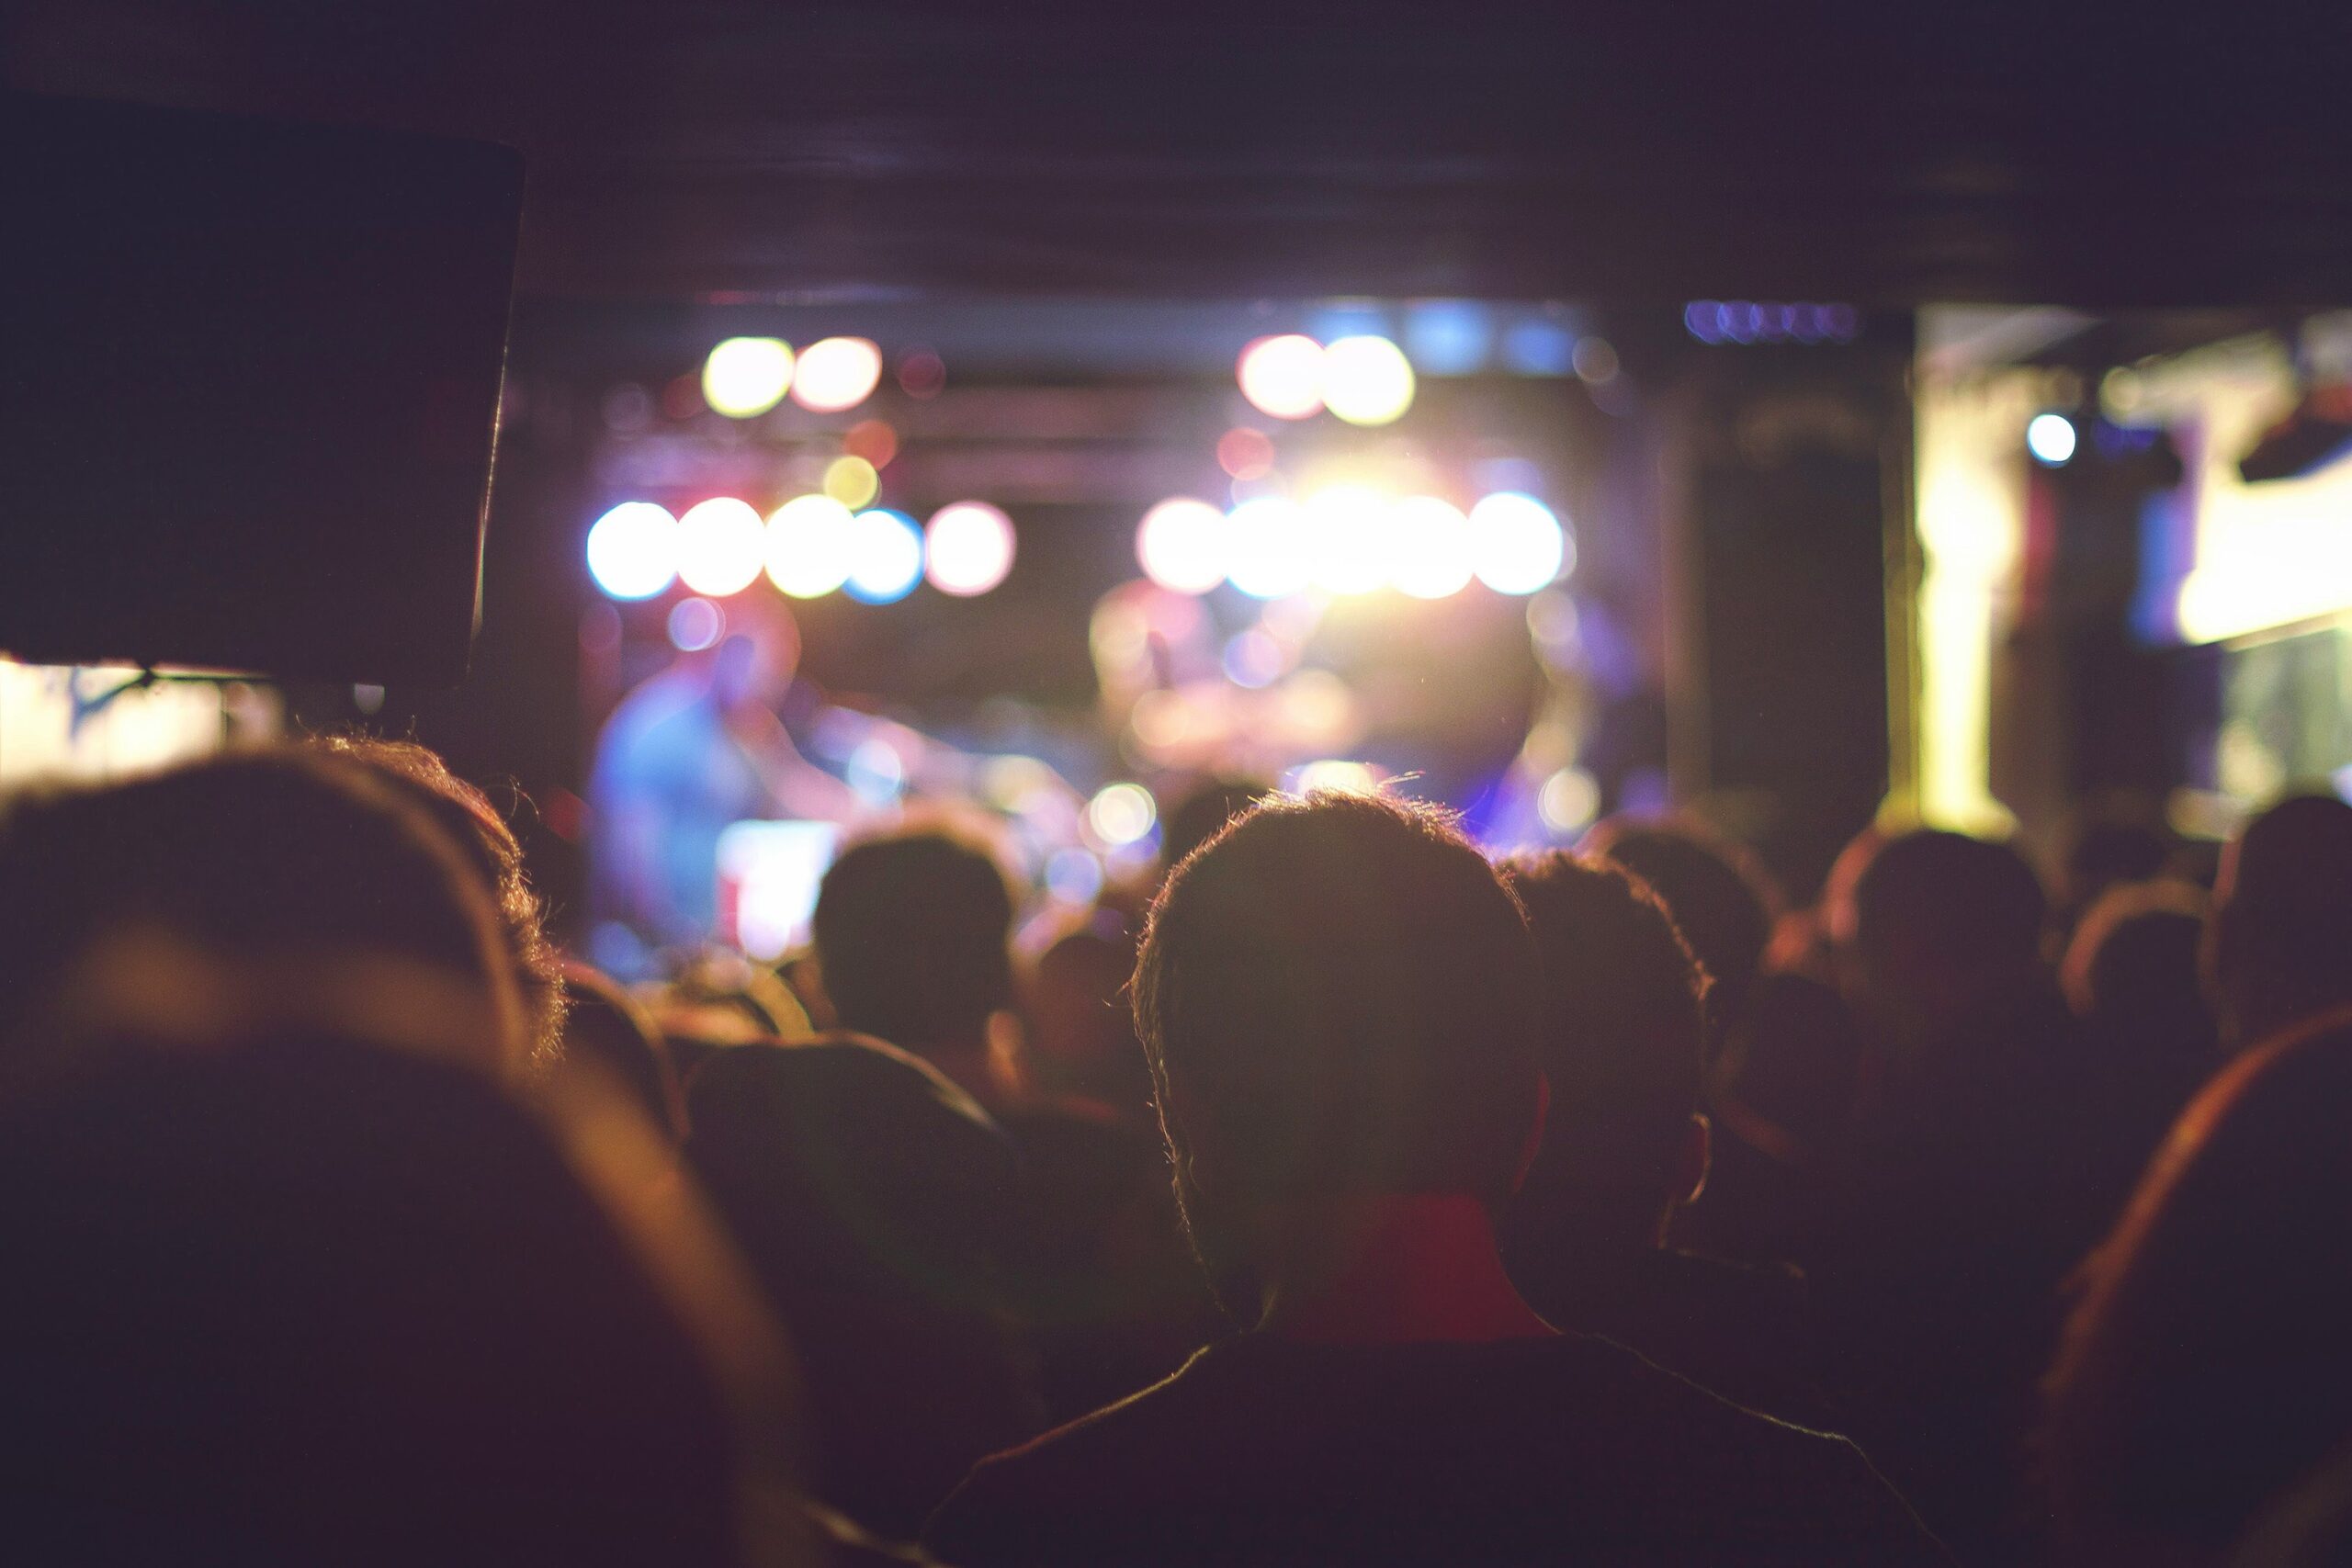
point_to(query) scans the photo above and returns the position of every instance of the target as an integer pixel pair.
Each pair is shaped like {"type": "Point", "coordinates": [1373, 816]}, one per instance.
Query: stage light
{"type": "Point", "coordinates": [1074, 876]}
{"type": "Point", "coordinates": [720, 547]}
{"type": "Point", "coordinates": [1367, 380]}
{"type": "Point", "coordinates": [1517, 544]}
{"type": "Point", "coordinates": [885, 557]}
{"type": "Point", "coordinates": [1353, 534]}
{"type": "Point", "coordinates": [745, 376]}
{"type": "Point", "coordinates": [1568, 801]}
{"type": "Point", "coordinates": [2051, 438]}
{"type": "Point", "coordinates": [1337, 776]}
{"type": "Point", "coordinates": [1246, 453]}
{"type": "Point", "coordinates": [853, 481]}
{"type": "Point", "coordinates": [1180, 543]}
{"type": "Point", "coordinates": [807, 547]}
{"type": "Point", "coordinates": [1448, 337]}
{"type": "Point", "coordinates": [1432, 547]}
{"type": "Point", "coordinates": [633, 551]}
{"type": "Point", "coordinates": [1283, 376]}
{"type": "Point", "coordinates": [872, 439]}
{"type": "Point", "coordinates": [1538, 347]}
{"type": "Point", "coordinates": [1268, 547]}
{"type": "Point", "coordinates": [967, 549]}
{"type": "Point", "coordinates": [695, 624]}
{"type": "Point", "coordinates": [1120, 813]}
{"type": "Point", "coordinates": [836, 373]}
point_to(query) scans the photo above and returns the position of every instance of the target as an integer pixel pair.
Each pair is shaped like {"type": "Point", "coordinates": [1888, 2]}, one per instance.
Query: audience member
{"type": "Point", "coordinates": [604, 1024]}
{"type": "Point", "coordinates": [2203, 1370]}
{"type": "Point", "coordinates": [1624, 1146]}
{"type": "Point", "coordinates": [1721, 899]}
{"type": "Point", "coordinates": [1338, 996]}
{"type": "Point", "coordinates": [2282, 919]}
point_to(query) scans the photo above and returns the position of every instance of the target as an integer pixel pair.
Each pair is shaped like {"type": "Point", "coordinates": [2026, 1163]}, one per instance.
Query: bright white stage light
{"type": "Point", "coordinates": [2051, 438]}
{"type": "Point", "coordinates": [808, 546]}
{"type": "Point", "coordinates": [1517, 544]}
{"type": "Point", "coordinates": [836, 373]}
{"type": "Point", "coordinates": [1353, 537]}
{"type": "Point", "coordinates": [1180, 543]}
{"type": "Point", "coordinates": [633, 551]}
{"type": "Point", "coordinates": [1367, 380]}
{"type": "Point", "coordinates": [1283, 376]}
{"type": "Point", "coordinates": [1270, 552]}
{"type": "Point", "coordinates": [885, 557]}
{"type": "Point", "coordinates": [1432, 547]}
{"type": "Point", "coordinates": [1122, 813]}
{"type": "Point", "coordinates": [721, 546]}
{"type": "Point", "coordinates": [747, 376]}
{"type": "Point", "coordinates": [967, 549]}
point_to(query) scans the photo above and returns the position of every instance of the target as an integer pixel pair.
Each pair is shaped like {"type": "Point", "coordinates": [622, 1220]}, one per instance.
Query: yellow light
{"type": "Point", "coordinates": [852, 481]}
{"type": "Point", "coordinates": [720, 547]}
{"type": "Point", "coordinates": [1269, 551]}
{"type": "Point", "coordinates": [967, 549]}
{"type": "Point", "coordinates": [1180, 543]}
{"type": "Point", "coordinates": [747, 376]}
{"type": "Point", "coordinates": [1367, 380]}
{"type": "Point", "coordinates": [809, 545]}
{"type": "Point", "coordinates": [1283, 376]}
{"type": "Point", "coordinates": [1432, 547]}
{"type": "Point", "coordinates": [836, 373]}
{"type": "Point", "coordinates": [1122, 813]}
{"type": "Point", "coordinates": [1353, 538]}
{"type": "Point", "coordinates": [1568, 801]}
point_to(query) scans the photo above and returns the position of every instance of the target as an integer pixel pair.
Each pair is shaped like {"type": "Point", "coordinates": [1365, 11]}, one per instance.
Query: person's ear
{"type": "Point", "coordinates": [1534, 1143]}
{"type": "Point", "coordinates": [1695, 1157]}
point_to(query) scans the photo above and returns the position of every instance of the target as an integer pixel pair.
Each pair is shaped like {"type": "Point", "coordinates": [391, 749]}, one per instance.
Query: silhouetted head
{"type": "Point", "coordinates": [1793, 1058]}
{"type": "Point", "coordinates": [2280, 939]}
{"type": "Point", "coordinates": [604, 1024]}
{"type": "Point", "coordinates": [1938, 928]}
{"type": "Point", "coordinates": [1201, 812]}
{"type": "Point", "coordinates": [1720, 899]}
{"type": "Point", "coordinates": [912, 936]}
{"type": "Point", "coordinates": [278, 883]}
{"type": "Point", "coordinates": [1621, 1044]}
{"type": "Point", "coordinates": [1081, 1038]}
{"type": "Point", "coordinates": [1337, 995]}
{"type": "Point", "coordinates": [495, 855]}
{"type": "Point", "coordinates": [2131, 966]}
{"type": "Point", "coordinates": [2204, 1368]}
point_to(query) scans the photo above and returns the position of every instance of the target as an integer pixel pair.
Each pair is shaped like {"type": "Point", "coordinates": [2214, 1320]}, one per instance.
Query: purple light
{"type": "Point", "coordinates": [1700, 317]}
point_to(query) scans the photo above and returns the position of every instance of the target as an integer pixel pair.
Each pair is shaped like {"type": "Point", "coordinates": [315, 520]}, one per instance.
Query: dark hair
{"type": "Point", "coordinates": [1337, 995]}
{"type": "Point", "coordinates": [474, 825]}
{"type": "Point", "coordinates": [1970, 907]}
{"type": "Point", "coordinates": [1623, 1038]}
{"type": "Point", "coordinates": [912, 931]}
{"type": "Point", "coordinates": [2131, 964]}
{"type": "Point", "coordinates": [2282, 917]}
{"type": "Point", "coordinates": [279, 854]}
{"type": "Point", "coordinates": [2204, 1367]}
{"type": "Point", "coordinates": [1722, 900]}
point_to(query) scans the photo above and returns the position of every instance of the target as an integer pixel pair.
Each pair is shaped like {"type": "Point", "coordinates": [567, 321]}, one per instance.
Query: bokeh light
{"type": "Point", "coordinates": [922, 375]}
{"type": "Point", "coordinates": [721, 546]}
{"type": "Point", "coordinates": [808, 546]}
{"type": "Point", "coordinates": [1074, 876]}
{"type": "Point", "coordinates": [967, 549]}
{"type": "Point", "coordinates": [1568, 801]}
{"type": "Point", "coordinates": [1517, 546]}
{"type": "Point", "coordinates": [872, 439]}
{"type": "Point", "coordinates": [1256, 659]}
{"type": "Point", "coordinates": [1338, 776]}
{"type": "Point", "coordinates": [1353, 549]}
{"type": "Point", "coordinates": [1120, 813]}
{"type": "Point", "coordinates": [1246, 453]}
{"type": "Point", "coordinates": [1367, 380]}
{"type": "Point", "coordinates": [836, 373]}
{"type": "Point", "coordinates": [1431, 547]}
{"type": "Point", "coordinates": [633, 551]}
{"type": "Point", "coordinates": [695, 624]}
{"type": "Point", "coordinates": [851, 480]}
{"type": "Point", "coordinates": [747, 376]}
{"type": "Point", "coordinates": [1283, 376]}
{"type": "Point", "coordinates": [1180, 543]}
{"type": "Point", "coordinates": [885, 557]}
{"type": "Point", "coordinates": [2051, 438]}
{"type": "Point", "coordinates": [1270, 552]}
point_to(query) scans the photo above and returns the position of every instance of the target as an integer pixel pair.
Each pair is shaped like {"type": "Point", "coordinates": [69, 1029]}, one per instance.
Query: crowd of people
{"type": "Point", "coordinates": [1346, 1196]}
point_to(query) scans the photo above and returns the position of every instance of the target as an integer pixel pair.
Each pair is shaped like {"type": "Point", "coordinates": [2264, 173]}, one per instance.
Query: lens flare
{"type": "Point", "coordinates": [1517, 544]}
{"type": "Point", "coordinates": [836, 373]}
{"type": "Point", "coordinates": [2051, 438]}
{"type": "Point", "coordinates": [1270, 552]}
{"type": "Point", "coordinates": [808, 546]}
{"type": "Point", "coordinates": [721, 546]}
{"type": "Point", "coordinates": [745, 376]}
{"type": "Point", "coordinates": [1283, 376]}
{"type": "Point", "coordinates": [1353, 538]}
{"type": "Point", "coordinates": [885, 557]}
{"type": "Point", "coordinates": [1122, 813]}
{"type": "Point", "coordinates": [1433, 549]}
{"type": "Point", "coordinates": [1180, 543]}
{"type": "Point", "coordinates": [967, 549]}
{"type": "Point", "coordinates": [695, 624]}
{"type": "Point", "coordinates": [1367, 380]}
{"type": "Point", "coordinates": [853, 481]}
{"type": "Point", "coordinates": [633, 551]}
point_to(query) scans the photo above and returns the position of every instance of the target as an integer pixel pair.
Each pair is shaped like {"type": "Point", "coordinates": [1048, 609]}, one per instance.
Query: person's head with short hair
{"type": "Point", "coordinates": [2131, 968]}
{"type": "Point", "coordinates": [1938, 928]}
{"type": "Point", "coordinates": [276, 881]}
{"type": "Point", "coordinates": [1623, 1045]}
{"type": "Point", "coordinates": [1337, 995]}
{"type": "Point", "coordinates": [1721, 899]}
{"type": "Point", "coordinates": [1201, 812]}
{"type": "Point", "coordinates": [2204, 1367]}
{"type": "Point", "coordinates": [491, 847]}
{"type": "Point", "coordinates": [2279, 941]}
{"type": "Point", "coordinates": [913, 932]}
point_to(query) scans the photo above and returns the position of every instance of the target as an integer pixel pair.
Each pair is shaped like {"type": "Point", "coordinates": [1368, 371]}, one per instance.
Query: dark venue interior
{"type": "Point", "coordinates": [895, 782]}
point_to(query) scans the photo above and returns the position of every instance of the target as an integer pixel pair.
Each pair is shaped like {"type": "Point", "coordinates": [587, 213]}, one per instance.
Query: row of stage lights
{"type": "Point", "coordinates": [1348, 539]}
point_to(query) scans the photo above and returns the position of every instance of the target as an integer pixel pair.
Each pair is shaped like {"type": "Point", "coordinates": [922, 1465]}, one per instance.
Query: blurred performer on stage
{"type": "Point", "coordinates": [690, 752]}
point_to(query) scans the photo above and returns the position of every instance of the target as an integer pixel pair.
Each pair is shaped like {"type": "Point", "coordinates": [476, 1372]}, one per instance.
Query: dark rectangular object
{"type": "Point", "coordinates": [249, 382]}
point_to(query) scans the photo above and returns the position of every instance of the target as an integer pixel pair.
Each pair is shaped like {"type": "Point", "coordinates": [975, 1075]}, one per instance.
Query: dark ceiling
{"type": "Point", "coordinates": [2093, 154]}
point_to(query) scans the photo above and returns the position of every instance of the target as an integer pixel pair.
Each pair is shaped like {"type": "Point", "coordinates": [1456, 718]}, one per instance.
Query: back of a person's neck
{"type": "Point", "coordinates": [1416, 1267]}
